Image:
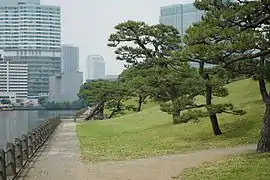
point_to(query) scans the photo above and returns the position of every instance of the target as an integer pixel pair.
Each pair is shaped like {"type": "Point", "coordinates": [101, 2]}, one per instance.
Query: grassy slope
{"type": "Point", "coordinates": [151, 132]}
{"type": "Point", "coordinates": [242, 167]}
{"type": "Point", "coordinates": [147, 104]}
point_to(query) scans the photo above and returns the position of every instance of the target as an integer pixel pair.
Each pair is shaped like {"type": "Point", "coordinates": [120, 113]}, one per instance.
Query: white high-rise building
{"type": "Point", "coordinates": [30, 34]}
{"type": "Point", "coordinates": [13, 79]}
{"type": "Point", "coordinates": [95, 67]}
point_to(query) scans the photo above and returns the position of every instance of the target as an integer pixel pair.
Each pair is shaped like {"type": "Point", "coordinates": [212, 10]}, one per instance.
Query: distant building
{"type": "Point", "coordinates": [20, 2]}
{"type": "Point", "coordinates": [55, 88]}
{"type": "Point", "coordinates": [65, 86]}
{"type": "Point", "coordinates": [71, 83]}
{"type": "Point", "coordinates": [30, 33]}
{"type": "Point", "coordinates": [13, 78]}
{"type": "Point", "coordinates": [11, 96]}
{"type": "Point", "coordinates": [180, 16]}
{"type": "Point", "coordinates": [95, 67]}
{"type": "Point", "coordinates": [70, 55]}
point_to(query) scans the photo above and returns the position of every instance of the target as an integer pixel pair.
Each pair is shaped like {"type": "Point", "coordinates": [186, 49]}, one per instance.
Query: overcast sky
{"type": "Point", "coordinates": [88, 23]}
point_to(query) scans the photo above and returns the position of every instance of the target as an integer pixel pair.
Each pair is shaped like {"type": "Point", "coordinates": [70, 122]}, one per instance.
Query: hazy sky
{"type": "Point", "coordinates": [88, 23]}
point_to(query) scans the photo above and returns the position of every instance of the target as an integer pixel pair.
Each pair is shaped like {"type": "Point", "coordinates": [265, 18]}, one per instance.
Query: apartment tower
{"type": "Point", "coordinates": [30, 34]}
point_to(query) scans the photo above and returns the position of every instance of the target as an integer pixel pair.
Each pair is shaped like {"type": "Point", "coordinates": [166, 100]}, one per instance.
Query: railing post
{"type": "Point", "coordinates": [11, 162]}
{"type": "Point", "coordinates": [34, 141]}
{"type": "Point", "coordinates": [18, 153]}
{"type": "Point", "coordinates": [30, 144]}
{"type": "Point", "coordinates": [46, 129]}
{"type": "Point", "coordinates": [3, 175]}
{"type": "Point", "coordinates": [25, 149]}
{"type": "Point", "coordinates": [51, 125]}
{"type": "Point", "coordinates": [55, 122]}
{"type": "Point", "coordinates": [40, 136]}
{"type": "Point", "coordinates": [37, 137]}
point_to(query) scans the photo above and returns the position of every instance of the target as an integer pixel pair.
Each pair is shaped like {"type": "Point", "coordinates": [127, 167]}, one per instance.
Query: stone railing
{"type": "Point", "coordinates": [22, 150]}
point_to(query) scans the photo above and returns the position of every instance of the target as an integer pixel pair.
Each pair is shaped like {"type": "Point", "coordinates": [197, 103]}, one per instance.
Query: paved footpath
{"type": "Point", "coordinates": [60, 159]}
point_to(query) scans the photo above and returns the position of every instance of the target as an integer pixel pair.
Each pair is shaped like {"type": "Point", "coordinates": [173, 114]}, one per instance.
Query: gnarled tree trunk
{"type": "Point", "coordinates": [140, 101]}
{"type": "Point", "coordinates": [95, 111]}
{"type": "Point", "coordinates": [208, 98]}
{"type": "Point", "coordinates": [213, 116]}
{"type": "Point", "coordinates": [176, 117]}
{"type": "Point", "coordinates": [264, 140]}
{"type": "Point", "coordinates": [215, 125]}
{"type": "Point", "coordinates": [101, 113]}
{"type": "Point", "coordinates": [118, 109]}
{"type": "Point", "coordinates": [175, 110]}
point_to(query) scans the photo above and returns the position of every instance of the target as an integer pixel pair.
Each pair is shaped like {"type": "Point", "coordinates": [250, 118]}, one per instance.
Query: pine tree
{"type": "Point", "coordinates": [239, 30]}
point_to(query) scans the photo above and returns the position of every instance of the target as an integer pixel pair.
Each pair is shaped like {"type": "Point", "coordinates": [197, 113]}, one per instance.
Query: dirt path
{"type": "Point", "coordinates": [159, 168]}
{"type": "Point", "coordinates": [60, 159]}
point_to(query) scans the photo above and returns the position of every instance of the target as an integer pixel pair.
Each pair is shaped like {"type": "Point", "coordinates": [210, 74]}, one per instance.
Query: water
{"type": "Point", "coordinates": [15, 123]}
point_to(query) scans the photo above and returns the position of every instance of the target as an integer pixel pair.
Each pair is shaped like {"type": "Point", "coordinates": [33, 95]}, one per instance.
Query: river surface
{"type": "Point", "coordinates": [15, 123]}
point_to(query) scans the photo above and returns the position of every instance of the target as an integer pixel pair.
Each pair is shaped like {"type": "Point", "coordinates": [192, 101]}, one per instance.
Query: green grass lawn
{"type": "Point", "coordinates": [240, 167]}
{"type": "Point", "coordinates": [151, 132]}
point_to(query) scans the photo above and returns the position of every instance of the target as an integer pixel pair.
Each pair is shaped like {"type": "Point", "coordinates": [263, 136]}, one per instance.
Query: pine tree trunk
{"type": "Point", "coordinates": [213, 116]}
{"type": "Point", "coordinates": [215, 125]}
{"type": "Point", "coordinates": [118, 109]}
{"type": "Point", "coordinates": [176, 117]}
{"type": "Point", "coordinates": [100, 115]}
{"type": "Point", "coordinates": [208, 99]}
{"type": "Point", "coordinates": [140, 101]}
{"type": "Point", "coordinates": [112, 114]}
{"type": "Point", "coordinates": [95, 111]}
{"type": "Point", "coordinates": [175, 108]}
{"type": "Point", "coordinates": [264, 140]}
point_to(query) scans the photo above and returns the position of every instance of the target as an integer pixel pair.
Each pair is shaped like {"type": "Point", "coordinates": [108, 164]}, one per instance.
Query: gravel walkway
{"type": "Point", "coordinates": [60, 159]}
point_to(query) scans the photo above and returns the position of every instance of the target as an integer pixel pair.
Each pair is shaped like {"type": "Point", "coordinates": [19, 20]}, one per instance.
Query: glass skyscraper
{"type": "Point", "coordinates": [30, 34]}
{"type": "Point", "coordinates": [180, 16]}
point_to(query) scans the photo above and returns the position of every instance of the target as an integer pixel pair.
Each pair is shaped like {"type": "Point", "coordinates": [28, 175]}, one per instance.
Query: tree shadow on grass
{"type": "Point", "coordinates": [242, 128]}
{"type": "Point", "coordinates": [238, 129]}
